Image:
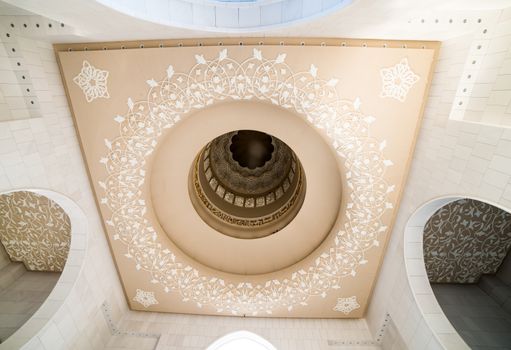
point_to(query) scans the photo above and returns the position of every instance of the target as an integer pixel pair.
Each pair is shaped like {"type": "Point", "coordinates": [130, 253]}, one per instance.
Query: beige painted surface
{"type": "Point", "coordinates": [185, 228]}
{"type": "Point", "coordinates": [372, 135]}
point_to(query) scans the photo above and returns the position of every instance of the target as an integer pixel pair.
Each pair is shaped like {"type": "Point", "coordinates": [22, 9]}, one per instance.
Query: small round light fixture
{"type": "Point", "coordinates": [247, 184]}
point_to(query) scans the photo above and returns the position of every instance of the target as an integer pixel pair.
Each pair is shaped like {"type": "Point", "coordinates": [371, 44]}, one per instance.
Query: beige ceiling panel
{"type": "Point", "coordinates": [351, 115]}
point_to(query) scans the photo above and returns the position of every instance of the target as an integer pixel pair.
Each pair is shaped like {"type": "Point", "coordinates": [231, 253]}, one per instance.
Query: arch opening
{"type": "Point", "coordinates": [43, 240]}
{"type": "Point", "coordinates": [241, 340]}
{"type": "Point", "coordinates": [455, 256]}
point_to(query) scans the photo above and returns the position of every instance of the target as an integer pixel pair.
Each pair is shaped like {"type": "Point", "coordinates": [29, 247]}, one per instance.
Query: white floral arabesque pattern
{"type": "Point", "coordinates": [347, 305]}
{"type": "Point", "coordinates": [397, 80]}
{"type": "Point", "coordinates": [145, 298]}
{"type": "Point", "coordinates": [464, 240]}
{"type": "Point", "coordinates": [256, 78]}
{"type": "Point", "coordinates": [92, 81]}
{"type": "Point", "coordinates": [34, 230]}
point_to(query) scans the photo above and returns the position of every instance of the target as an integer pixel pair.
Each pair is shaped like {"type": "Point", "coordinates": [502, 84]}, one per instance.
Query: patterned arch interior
{"type": "Point", "coordinates": [34, 230]}
{"type": "Point", "coordinates": [464, 240]}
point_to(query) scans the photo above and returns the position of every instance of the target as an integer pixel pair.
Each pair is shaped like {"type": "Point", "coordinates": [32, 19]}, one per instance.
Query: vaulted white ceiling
{"type": "Point", "coordinates": [393, 19]}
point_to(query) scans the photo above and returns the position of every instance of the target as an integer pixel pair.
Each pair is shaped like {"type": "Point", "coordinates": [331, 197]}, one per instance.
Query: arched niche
{"type": "Point", "coordinates": [241, 340]}
{"type": "Point", "coordinates": [417, 275]}
{"type": "Point", "coordinates": [42, 318]}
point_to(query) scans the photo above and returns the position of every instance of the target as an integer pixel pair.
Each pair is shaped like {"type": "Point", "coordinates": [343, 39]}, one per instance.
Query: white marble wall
{"type": "Point", "coordinates": [43, 152]}
{"type": "Point", "coordinates": [484, 91]}
{"type": "Point", "coordinates": [452, 158]}
{"type": "Point", "coordinates": [392, 339]}
{"type": "Point", "coordinates": [224, 15]}
{"type": "Point", "coordinates": [189, 332]}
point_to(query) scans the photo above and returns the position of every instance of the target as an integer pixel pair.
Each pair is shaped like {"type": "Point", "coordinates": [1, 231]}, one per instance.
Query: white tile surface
{"type": "Point", "coordinates": [226, 17]}
{"type": "Point", "coordinates": [204, 15]}
{"type": "Point", "coordinates": [249, 16]}
{"type": "Point", "coordinates": [429, 179]}
{"type": "Point", "coordinates": [271, 13]}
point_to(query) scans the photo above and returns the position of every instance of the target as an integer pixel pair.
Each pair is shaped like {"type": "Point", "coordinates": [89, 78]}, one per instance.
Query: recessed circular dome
{"type": "Point", "coordinates": [176, 208]}
{"type": "Point", "coordinates": [251, 149]}
{"type": "Point", "coordinates": [247, 184]}
{"type": "Point", "coordinates": [228, 16]}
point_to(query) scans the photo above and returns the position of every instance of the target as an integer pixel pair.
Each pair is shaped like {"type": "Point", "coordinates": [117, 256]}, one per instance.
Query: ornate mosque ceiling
{"type": "Point", "coordinates": [148, 119]}
{"type": "Point", "coordinates": [247, 184]}
{"type": "Point", "coordinates": [465, 239]}
{"type": "Point", "coordinates": [34, 230]}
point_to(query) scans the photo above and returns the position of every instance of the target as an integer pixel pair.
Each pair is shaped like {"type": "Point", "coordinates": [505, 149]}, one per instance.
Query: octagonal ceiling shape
{"type": "Point", "coordinates": [350, 114]}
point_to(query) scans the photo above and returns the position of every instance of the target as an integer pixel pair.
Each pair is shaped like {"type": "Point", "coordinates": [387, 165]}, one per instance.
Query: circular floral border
{"type": "Point", "coordinates": [268, 80]}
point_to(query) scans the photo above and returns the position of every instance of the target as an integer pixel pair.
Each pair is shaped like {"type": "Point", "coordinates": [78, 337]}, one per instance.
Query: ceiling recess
{"type": "Point", "coordinates": [247, 184]}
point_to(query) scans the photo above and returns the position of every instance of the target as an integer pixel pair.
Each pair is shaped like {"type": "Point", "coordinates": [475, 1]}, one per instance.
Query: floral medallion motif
{"type": "Point", "coordinates": [346, 305]}
{"type": "Point", "coordinates": [145, 298]}
{"type": "Point", "coordinates": [257, 78]}
{"type": "Point", "coordinates": [397, 80]}
{"type": "Point", "coordinates": [92, 81]}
